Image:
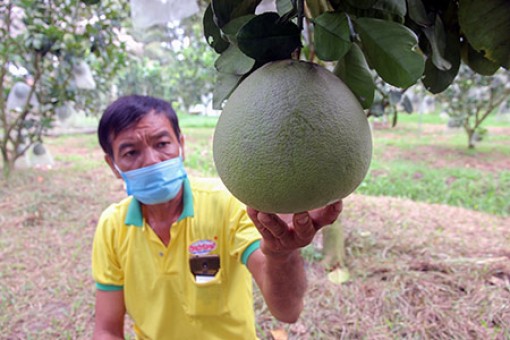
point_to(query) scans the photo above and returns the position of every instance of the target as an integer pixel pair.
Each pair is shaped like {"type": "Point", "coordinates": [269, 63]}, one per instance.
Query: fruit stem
{"type": "Point", "coordinates": [300, 6]}
{"type": "Point", "coordinates": [300, 13]}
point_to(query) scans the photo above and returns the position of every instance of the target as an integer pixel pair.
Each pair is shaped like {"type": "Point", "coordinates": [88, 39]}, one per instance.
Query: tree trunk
{"type": "Point", "coordinates": [470, 134]}
{"type": "Point", "coordinates": [333, 245]}
{"type": "Point", "coordinates": [471, 140]}
{"type": "Point", "coordinates": [6, 165]}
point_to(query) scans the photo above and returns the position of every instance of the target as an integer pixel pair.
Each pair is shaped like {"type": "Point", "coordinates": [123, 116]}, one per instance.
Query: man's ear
{"type": "Point", "coordinates": [108, 159]}
{"type": "Point", "coordinates": [181, 142]}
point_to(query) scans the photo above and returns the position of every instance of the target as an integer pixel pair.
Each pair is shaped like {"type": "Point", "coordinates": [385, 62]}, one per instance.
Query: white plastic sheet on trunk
{"type": "Point", "coordinates": [83, 76]}
{"type": "Point", "coordinates": [38, 160]}
{"type": "Point", "coordinates": [146, 13]}
{"type": "Point", "coordinates": [18, 96]}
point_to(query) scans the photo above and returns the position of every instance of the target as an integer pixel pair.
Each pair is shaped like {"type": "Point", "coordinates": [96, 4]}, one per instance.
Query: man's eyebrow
{"type": "Point", "coordinates": [163, 133]}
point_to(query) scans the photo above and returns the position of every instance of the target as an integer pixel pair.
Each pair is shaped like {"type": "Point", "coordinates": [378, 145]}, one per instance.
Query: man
{"type": "Point", "coordinates": [178, 255]}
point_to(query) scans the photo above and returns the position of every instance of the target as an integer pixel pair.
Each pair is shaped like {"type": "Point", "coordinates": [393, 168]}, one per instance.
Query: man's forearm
{"type": "Point", "coordinates": [284, 286]}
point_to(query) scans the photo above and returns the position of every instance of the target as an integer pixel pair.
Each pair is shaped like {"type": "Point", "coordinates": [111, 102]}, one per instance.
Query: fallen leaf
{"type": "Point", "coordinates": [279, 334]}
{"type": "Point", "coordinates": [339, 276]}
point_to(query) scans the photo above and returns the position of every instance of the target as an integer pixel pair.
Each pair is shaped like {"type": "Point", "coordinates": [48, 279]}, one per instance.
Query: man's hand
{"type": "Point", "coordinates": [284, 233]}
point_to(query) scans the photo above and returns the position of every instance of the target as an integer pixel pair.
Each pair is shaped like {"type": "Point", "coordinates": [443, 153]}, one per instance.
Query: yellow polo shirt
{"type": "Point", "coordinates": [161, 294]}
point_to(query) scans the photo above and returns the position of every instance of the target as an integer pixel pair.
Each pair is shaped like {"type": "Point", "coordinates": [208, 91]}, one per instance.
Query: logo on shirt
{"type": "Point", "coordinates": [202, 247]}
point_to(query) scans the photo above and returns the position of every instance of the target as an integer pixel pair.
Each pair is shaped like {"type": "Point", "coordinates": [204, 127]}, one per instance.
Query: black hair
{"type": "Point", "coordinates": [127, 111]}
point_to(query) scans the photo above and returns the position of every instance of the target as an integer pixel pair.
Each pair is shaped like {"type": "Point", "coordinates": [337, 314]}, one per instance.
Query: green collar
{"type": "Point", "coordinates": [134, 215]}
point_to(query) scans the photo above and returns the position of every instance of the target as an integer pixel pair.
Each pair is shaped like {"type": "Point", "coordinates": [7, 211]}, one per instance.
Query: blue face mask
{"type": "Point", "coordinates": [156, 183]}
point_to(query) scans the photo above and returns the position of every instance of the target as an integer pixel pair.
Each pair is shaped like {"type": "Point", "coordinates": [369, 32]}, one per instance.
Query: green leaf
{"type": "Point", "coordinates": [231, 29]}
{"type": "Point", "coordinates": [212, 33]}
{"type": "Point", "coordinates": [226, 10]}
{"type": "Point", "coordinates": [391, 49]}
{"type": "Point", "coordinates": [476, 60]}
{"type": "Point", "coordinates": [265, 38]}
{"type": "Point", "coordinates": [284, 6]}
{"type": "Point", "coordinates": [437, 38]}
{"type": "Point", "coordinates": [395, 118]}
{"type": "Point", "coordinates": [417, 13]}
{"type": "Point", "coordinates": [331, 36]}
{"type": "Point", "coordinates": [354, 72]}
{"type": "Point", "coordinates": [486, 25]}
{"type": "Point", "coordinates": [233, 61]}
{"type": "Point", "coordinates": [225, 85]}
{"type": "Point", "coordinates": [397, 7]}
{"type": "Point", "coordinates": [362, 4]}
{"type": "Point", "coordinates": [436, 80]}
{"type": "Point", "coordinates": [90, 2]}
{"type": "Point", "coordinates": [318, 7]}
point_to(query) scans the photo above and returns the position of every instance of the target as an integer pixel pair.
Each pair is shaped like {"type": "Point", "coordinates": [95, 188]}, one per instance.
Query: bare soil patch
{"type": "Point", "coordinates": [444, 157]}
{"type": "Point", "coordinates": [440, 156]}
{"type": "Point", "coordinates": [418, 270]}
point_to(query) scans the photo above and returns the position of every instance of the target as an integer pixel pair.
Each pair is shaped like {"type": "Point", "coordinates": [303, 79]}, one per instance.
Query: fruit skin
{"type": "Point", "coordinates": [291, 138]}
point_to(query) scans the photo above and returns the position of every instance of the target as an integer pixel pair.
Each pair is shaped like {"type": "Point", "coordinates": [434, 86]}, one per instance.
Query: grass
{"type": "Point", "coordinates": [418, 270]}
{"type": "Point", "coordinates": [194, 121]}
{"type": "Point", "coordinates": [457, 187]}
{"type": "Point", "coordinates": [494, 120]}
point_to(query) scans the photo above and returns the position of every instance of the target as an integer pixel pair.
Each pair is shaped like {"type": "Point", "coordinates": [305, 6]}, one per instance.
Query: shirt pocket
{"type": "Point", "coordinates": [206, 298]}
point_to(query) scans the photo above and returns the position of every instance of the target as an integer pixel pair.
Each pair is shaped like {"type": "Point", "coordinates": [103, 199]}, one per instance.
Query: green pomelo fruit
{"type": "Point", "coordinates": [291, 138]}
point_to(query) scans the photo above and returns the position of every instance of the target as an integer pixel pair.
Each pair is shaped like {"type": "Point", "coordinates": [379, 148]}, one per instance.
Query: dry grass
{"type": "Point", "coordinates": [418, 271]}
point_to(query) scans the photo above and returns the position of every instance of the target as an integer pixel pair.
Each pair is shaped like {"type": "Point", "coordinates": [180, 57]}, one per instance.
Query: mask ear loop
{"type": "Point", "coordinates": [123, 177]}
{"type": "Point", "coordinates": [117, 168]}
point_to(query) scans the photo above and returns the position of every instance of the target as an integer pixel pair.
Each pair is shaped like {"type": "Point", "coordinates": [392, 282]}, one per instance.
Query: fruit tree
{"type": "Point", "coordinates": [397, 42]}
{"type": "Point", "coordinates": [401, 41]}
{"type": "Point", "coordinates": [54, 55]}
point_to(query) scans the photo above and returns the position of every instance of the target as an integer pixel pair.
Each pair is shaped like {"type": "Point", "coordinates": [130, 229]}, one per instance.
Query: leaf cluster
{"type": "Point", "coordinates": [400, 41]}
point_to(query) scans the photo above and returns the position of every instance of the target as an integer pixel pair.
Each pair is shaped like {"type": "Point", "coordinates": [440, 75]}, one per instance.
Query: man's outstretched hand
{"type": "Point", "coordinates": [284, 233]}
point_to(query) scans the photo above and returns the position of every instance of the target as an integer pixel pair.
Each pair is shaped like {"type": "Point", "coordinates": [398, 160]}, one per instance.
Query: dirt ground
{"type": "Point", "coordinates": [420, 271]}
{"type": "Point", "coordinates": [441, 156]}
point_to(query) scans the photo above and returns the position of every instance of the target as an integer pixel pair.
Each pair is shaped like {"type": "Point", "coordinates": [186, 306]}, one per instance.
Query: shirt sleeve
{"type": "Point", "coordinates": [244, 236]}
{"type": "Point", "coordinates": [106, 269]}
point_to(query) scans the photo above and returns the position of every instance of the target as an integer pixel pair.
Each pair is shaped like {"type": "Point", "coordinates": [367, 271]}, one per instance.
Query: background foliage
{"type": "Point", "coordinates": [47, 46]}
{"type": "Point", "coordinates": [400, 41]}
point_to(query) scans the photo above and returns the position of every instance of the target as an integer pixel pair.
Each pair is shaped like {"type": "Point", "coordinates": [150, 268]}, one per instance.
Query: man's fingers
{"type": "Point", "coordinates": [326, 215]}
{"type": "Point", "coordinates": [262, 230]}
{"type": "Point", "coordinates": [303, 226]}
{"type": "Point", "coordinates": [273, 223]}
{"type": "Point", "coordinates": [269, 225]}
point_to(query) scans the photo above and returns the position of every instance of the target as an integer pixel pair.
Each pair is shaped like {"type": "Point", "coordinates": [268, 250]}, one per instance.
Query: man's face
{"type": "Point", "coordinates": [151, 140]}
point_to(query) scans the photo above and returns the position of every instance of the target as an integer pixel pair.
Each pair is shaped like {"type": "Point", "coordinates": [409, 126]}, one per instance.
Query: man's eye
{"type": "Point", "coordinates": [129, 153]}
{"type": "Point", "coordinates": [163, 144]}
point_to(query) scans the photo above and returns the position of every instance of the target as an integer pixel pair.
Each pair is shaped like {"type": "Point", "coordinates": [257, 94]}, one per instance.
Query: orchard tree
{"type": "Point", "coordinates": [54, 55]}
{"type": "Point", "coordinates": [400, 41]}
{"type": "Point", "coordinates": [397, 42]}
{"type": "Point", "coordinates": [176, 64]}
{"type": "Point", "coordinates": [472, 98]}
